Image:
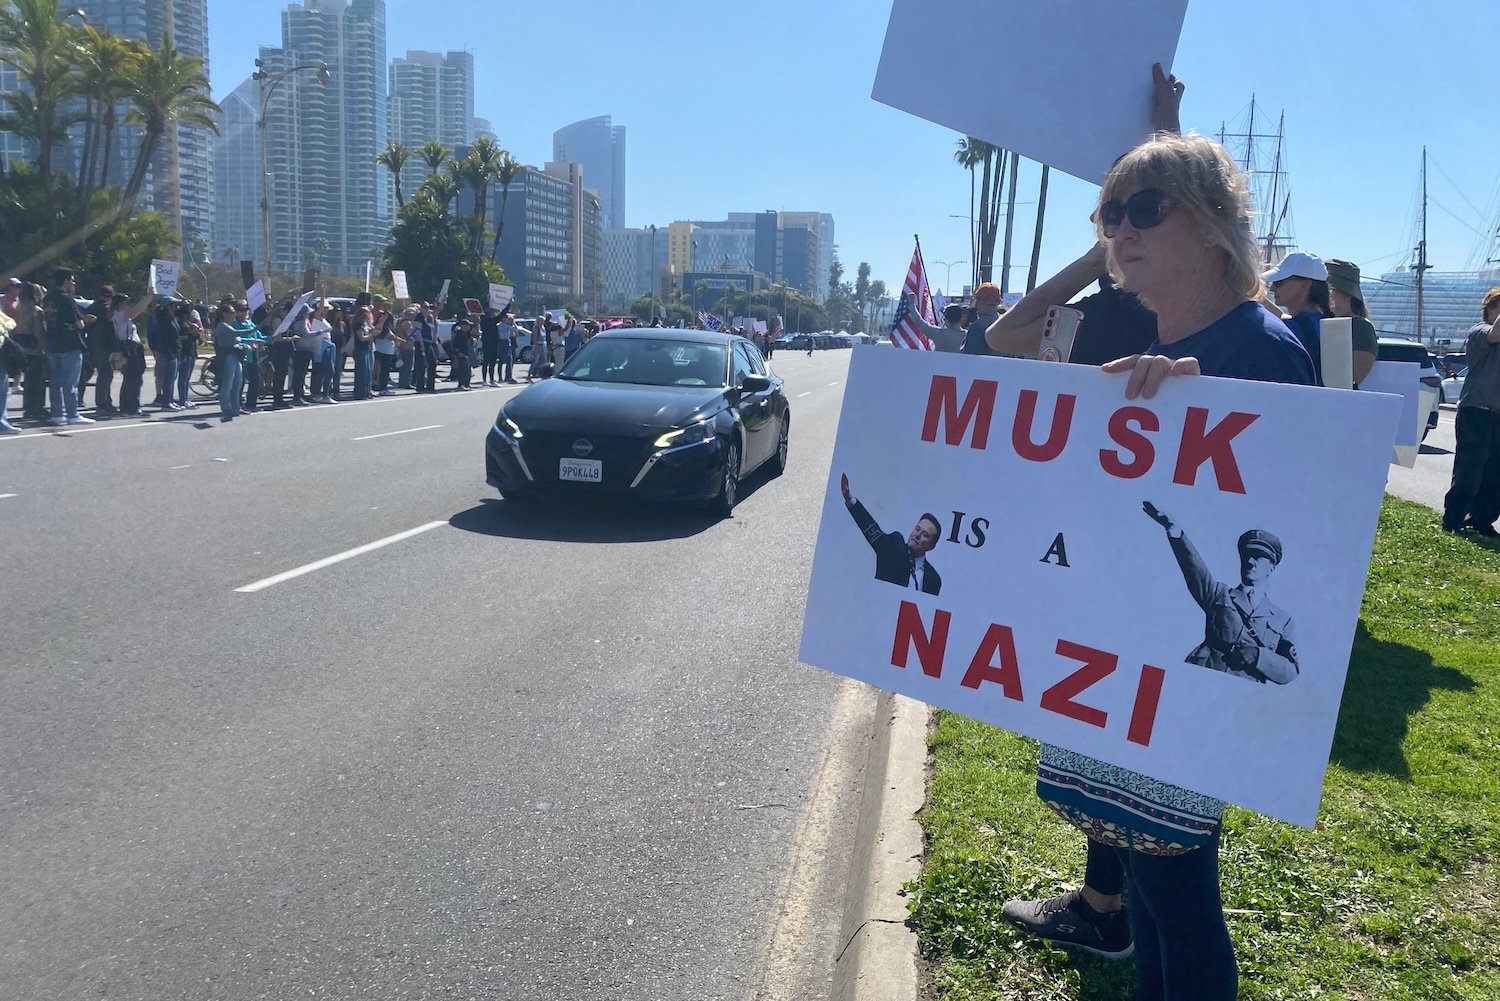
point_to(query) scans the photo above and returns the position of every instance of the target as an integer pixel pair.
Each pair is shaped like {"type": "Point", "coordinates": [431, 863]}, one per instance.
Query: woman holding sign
{"type": "Point", "coordinates": [1174, 217]}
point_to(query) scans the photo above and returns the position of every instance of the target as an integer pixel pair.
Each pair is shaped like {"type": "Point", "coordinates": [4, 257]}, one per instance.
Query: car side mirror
{"type": "Point", "coordinates": [755, 384]}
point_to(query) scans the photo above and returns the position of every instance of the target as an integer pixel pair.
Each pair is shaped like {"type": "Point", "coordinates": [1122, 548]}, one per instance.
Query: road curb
{"type": "Point", "coordinates": [878, 956]}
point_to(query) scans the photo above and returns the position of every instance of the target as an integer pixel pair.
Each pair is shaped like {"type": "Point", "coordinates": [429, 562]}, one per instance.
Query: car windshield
{"type": "Point", "coordinates": [646, 361]}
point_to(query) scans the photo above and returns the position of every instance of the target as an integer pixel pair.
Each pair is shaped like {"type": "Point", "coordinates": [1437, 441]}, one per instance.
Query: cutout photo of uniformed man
{"type": "Point", "coordinates": [1243, 633]}
{"type": "Point", "coordinates": [899, 561]}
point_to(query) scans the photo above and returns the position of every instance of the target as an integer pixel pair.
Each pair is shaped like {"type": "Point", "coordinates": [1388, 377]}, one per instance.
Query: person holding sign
{"type": "Point", "coordinates": [1349, 300]}
{"type": "Point", "coordinates": [899, 561]}
{"type": "Point", "coordinates": [1244, 634]}
{"type": "Point", "coordinates": [1174, 216]}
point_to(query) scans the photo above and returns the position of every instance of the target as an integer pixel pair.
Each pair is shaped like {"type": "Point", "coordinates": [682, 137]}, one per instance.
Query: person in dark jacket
{"type": "Point", "coordinates": [65, 343]}
{"type": "Point", "coordinates": [96, 354]}
{"type": "Point", "coordinates": [899, 561]}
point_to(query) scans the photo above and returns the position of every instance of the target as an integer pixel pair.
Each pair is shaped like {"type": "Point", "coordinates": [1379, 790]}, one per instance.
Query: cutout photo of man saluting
{"type": "Point", "coordinates": [899, 561]}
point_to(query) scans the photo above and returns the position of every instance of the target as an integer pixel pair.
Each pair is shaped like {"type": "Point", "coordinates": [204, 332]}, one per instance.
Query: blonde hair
{"type": "Point", "coordinates": [1201, 178]}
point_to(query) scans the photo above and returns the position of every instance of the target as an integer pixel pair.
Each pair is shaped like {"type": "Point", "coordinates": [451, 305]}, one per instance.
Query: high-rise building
{"type": "Point", "coordinates": [680, 247]}
{"type": "Point", "coordinates": [628, 263]}
{"type": "Point", "coordinates": [237, 178]}
{"type": "Point", "coordinates": [179, 181]}
{"type": "Point", "coordinates": [328, 197]}
{"type": "Point", "coordinates": [483, 129]}
{"type": "Point", "coordinates": [821, 224]}
{"type": "Point", "coordinates": [550, 244]}
{"type": "Point", "coordinates": [599, 146]}
{"type": "Point", "coordinates": [432, 97]}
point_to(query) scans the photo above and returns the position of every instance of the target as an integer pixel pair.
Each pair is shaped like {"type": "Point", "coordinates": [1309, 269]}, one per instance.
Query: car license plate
{"type": "Point", "coordinates": [581, 470]}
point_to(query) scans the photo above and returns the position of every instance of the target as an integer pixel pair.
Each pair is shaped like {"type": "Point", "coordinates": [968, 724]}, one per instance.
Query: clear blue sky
{"type": "Point", "coordinates": [766, 105]}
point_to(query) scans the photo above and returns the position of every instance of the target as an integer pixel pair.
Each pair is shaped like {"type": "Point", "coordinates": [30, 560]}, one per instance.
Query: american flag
{"type": "Point", "coordinates": [710, 321]}
{"type": "Point", "coordinates": [916, 297]}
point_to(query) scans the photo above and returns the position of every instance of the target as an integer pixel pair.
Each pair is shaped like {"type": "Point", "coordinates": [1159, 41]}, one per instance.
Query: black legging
{"type": "Point", "coordinates": [490, 361]}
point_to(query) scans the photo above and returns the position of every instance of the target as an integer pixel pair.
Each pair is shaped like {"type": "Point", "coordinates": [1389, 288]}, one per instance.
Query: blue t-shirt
{"type": "Point", "coordinates": [1245, 343]}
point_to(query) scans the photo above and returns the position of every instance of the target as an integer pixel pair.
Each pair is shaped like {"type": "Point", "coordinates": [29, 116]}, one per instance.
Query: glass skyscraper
{"type": "Point", "coordinates": [599, 146]}
{"type": "Point", "coordinates": [328, 197]}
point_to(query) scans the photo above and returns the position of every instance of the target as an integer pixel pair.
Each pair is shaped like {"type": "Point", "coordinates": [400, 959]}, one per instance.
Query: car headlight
{"type": "Point", "coordinates": [506, 426]}
{"type": "Point", "coordinates": [692, 434]}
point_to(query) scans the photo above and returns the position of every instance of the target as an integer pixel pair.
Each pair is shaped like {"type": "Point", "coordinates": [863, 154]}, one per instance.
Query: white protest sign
{"type": "Point", "coordinates": [303, 301]}
{"type": "Point", "coordinates": [1403, 379]}
{"type": "Point", "coordinates": [398, 285]}
{"type": "Point", "coordinates": [1056, 604]}
{"type": "Point", "coordinates": [443, 293]}
{"type": "Point", "coordinates": [1336, 348]}
{"type": "Point", "coordinates": [558, 316]}
{"type": "Point", "coordinates": [163, 277]}
{"type": "Point", "coordinates": [1072, 89]}
{"type": "Point", "coordinates": [501, 295]}
{"type": "Point", "coordinates": [255, 295]}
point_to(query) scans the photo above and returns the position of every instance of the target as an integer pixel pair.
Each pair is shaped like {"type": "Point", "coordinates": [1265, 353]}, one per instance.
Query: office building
{"type": "Point", "coordinates": [237, 178]}
{"type": "Point", "coordinates": [821, 225]}
{"type": "Point", "coordinates": [483, 129]}
{"type": "Point", "coordinates": [550, 246]}
{"type": "Point", "coordinates": [599, 146]}
{"type": "Point", "coordinates": [630, 259]}
{"type": "Point", "coordinates": [328, 197]}
{"type": "Point", "coordinates": [432, 97]}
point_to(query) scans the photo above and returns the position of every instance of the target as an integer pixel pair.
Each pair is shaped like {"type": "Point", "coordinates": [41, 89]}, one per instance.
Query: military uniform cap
{"type": "Point", "coordinates": [1259, 542]}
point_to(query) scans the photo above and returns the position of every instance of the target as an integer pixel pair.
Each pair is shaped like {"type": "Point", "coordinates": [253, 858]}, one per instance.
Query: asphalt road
{"type": "Point", "coordinates": [1428, 480]}
{"type": "Point", "coordinates": [552, 754]}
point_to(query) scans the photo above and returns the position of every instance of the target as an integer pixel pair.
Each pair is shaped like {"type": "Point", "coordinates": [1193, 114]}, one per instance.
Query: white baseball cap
{"type": "Point", "coordinates": [1298, 265]}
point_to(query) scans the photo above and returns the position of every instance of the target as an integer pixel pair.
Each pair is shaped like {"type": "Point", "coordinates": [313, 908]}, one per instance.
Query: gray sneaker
{"type": "Point", "coordinates": [1067, 920]}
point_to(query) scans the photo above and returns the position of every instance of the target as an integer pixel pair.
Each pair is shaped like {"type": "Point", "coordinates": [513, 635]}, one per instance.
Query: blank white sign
{"type": "Point", "coordinates": [1065, 83]}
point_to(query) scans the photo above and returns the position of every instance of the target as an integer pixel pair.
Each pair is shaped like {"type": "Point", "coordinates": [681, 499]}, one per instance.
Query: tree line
{"type": "Point", "coordinates": [78, 75]}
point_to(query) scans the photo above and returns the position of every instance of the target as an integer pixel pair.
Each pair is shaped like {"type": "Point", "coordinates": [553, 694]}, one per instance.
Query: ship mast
{"type": "Point", "coordinates": [1421, 267]}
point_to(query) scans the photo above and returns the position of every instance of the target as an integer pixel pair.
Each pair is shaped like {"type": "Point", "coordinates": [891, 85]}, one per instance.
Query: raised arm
{"type": "Point", "coordinates": [1019, 331]}
{"type": "Point", "coordinates": [1195, 573]}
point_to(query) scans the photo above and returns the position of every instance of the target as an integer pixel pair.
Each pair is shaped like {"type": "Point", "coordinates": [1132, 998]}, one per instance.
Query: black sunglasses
{"type": "Point", "coordinates": [1145, 209]}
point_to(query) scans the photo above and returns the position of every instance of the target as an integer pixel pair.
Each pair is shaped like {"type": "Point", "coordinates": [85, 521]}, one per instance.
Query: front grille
{"type": "Point", "coordinates": [622, 456]}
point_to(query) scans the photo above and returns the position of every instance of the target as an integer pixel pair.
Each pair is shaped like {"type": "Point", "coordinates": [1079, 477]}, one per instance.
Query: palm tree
{"type": "Point", "coordinates": [484, 170]}
{"type": "Point", "coordinates": [394, 159]}
{"type": "Point", "coordinates": [105, 61]}
{"type": "Point", "coordinates": [36, 41]}
{"type": "Point", "coordinates": [974, 153]}
{"type": "Point", "coordinates": [231, 254]}
{"type": "Point", "coordinates": [165, 89]}
{"type": "Point", "coordinates": [434, 154]}
{"type": "Point", "coordinates": [506, 171]}
{"type": "Point", "coordinates": [442, 189]}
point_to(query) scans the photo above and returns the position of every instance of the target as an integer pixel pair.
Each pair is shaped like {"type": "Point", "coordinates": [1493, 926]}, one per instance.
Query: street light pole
{"type": "Point", "coordinates": [948, 288]}
{"type": "Point", "coordinates": [266, 90]}
{"type": "Point", "coordinates": [651, 291]}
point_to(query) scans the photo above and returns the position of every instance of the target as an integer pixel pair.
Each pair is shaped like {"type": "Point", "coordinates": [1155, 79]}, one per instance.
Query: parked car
{"type": "Point", "coordinates": [1399, 349]}
{"type": "Point", "coordinates": [1453, 387]}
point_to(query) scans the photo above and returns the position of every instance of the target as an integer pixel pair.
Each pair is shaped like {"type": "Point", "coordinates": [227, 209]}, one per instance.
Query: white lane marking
{"type": "Point", "coordinates": [329, 561]}
{"type": "Point", "coordinates": [800, 395]}
{"type": "Point", "coordinates": [427, 427]}
{"type": "Point", "coordinates": [832, 384]}
{"type": "Point", "coordinates": [188, 466]}
{"type": "Point", "coordinates": [67, 431]}
{"type": "Point", "coordinates": [6, 496]}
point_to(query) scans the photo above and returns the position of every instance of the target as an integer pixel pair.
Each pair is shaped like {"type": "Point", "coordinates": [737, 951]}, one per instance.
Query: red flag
{"type": "Point", "coordinates": [916, 300]}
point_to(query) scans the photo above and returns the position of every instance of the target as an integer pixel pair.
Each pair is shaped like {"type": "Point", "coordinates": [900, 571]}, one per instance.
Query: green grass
{"type": "Point", "coordinates": [1398, 897]}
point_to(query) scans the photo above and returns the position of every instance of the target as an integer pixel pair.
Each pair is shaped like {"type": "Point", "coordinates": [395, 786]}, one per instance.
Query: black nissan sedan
{"type": "Point", "coordinates": [646, 412]}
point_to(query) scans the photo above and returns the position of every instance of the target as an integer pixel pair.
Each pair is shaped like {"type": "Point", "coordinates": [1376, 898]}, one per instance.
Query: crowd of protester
{"type": "Point", "coordinates": [55, 345]}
